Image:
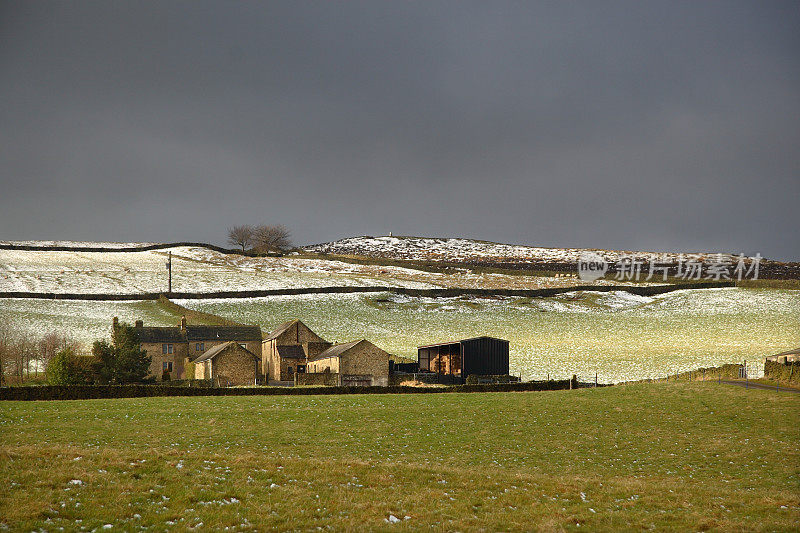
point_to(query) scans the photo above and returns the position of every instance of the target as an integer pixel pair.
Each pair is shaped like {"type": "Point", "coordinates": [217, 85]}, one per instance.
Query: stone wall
{"type": "Point", "coordinates": [329, 363]}
{"type": "Point", "coordinates": [327, 379]}
{"type": "Point", "coordinates": [202, 370]}
{"type": "Point", "coordinates": [177, 358]}
{"type": "Point", "coordinates": [784, 372]}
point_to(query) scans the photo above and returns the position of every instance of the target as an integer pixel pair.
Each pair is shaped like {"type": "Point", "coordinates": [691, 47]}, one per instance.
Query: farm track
{"type": "Point", "coordinates": [650, 290]}
{"type": "Point", "coordinates": [761, 386]}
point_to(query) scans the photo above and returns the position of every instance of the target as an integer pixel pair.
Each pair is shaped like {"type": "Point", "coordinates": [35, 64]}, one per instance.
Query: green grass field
{"type": "Point", "coordinates": [690, 456]}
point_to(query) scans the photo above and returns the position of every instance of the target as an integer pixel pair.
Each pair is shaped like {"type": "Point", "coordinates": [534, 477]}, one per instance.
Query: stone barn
{"type": "Point", "coordinates": [287, 348]}
{"type": "Point", "coordinates": [357, 363]}
{"type": "Point", "coordinates": [229, 363]}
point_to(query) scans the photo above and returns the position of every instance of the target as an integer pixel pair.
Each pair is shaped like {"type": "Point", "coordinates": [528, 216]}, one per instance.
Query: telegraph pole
{"type": "Point", "coordinates": [169, 269]}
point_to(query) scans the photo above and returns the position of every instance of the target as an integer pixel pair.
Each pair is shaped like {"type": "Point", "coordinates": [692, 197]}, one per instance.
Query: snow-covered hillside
{"type": "Point", "coordinates": [200, 269]}
{"type": "Point", "coordinates": [471, 251]}
{"type": "Point", "coordinates": [194, 269]}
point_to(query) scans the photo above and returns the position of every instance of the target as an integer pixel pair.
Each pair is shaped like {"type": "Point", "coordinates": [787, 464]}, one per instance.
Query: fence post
{"type": "Point", "coordinates": [745, 375]}
{"type": "Point", "coordinates": [595, 380]}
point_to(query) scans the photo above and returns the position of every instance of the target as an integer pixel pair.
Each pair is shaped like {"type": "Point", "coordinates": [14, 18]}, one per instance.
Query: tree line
{"type": "Point", "coordinates": [59, 359]}
{"type": "Point", "coordinates": [25, 357]}
{"type": "Point", "coordinates": [260, 239]}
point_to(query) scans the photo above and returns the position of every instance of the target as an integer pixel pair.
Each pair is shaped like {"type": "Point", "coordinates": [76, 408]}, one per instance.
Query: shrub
{"type": "Point", "coordinates": [66, 368]}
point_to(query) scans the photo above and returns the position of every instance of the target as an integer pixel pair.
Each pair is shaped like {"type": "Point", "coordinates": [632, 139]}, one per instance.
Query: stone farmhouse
{"type": "Point", "coordinates": [173, 349]}
{"type": "Point", "coordinates": [228, 363]}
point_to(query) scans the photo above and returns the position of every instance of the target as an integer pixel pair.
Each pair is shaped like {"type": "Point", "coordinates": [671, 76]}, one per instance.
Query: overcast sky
{"type": "Point", "coordinates": [633, 125]}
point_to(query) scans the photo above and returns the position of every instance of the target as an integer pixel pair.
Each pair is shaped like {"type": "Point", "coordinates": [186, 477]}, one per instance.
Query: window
{"type": "Point", "coordinates": [167, 366]}
{"type": "Point", "coordinates": [198, 347]}
{"type": "Point", "coordinates": [166, 348]}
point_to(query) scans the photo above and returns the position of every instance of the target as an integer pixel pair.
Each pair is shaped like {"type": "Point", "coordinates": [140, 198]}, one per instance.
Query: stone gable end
{"type": "Point", "coordinates": [232, 366]}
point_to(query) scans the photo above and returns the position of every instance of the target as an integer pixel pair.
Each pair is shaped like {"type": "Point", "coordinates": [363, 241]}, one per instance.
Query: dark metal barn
{"type": "Point", "coordinates": [484, 356]}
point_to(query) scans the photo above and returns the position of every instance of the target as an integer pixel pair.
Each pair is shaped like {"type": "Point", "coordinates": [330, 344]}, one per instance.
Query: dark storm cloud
{"type": "Point", "coordinates": [617, 125]}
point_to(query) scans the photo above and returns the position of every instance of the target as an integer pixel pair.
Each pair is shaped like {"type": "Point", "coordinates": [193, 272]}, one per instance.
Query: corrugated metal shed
{"type": "Point", "coordinates": [477, 355]}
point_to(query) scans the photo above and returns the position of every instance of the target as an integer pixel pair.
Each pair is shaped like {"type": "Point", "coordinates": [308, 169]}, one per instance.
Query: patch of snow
{"type": "Point", "coordinates": [459, 250]}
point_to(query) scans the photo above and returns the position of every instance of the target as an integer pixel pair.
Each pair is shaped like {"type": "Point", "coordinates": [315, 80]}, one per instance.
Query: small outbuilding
{"type": "Point", "coordinates": [792, 356]}
{"type": "Point", "coordinates": [230, 363]}
{"type": "Point", "coordinates": [485, 356]}
{"type": "Point", "coordinates": [357, 363]}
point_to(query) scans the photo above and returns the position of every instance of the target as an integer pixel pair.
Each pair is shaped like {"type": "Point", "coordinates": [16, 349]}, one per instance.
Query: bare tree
{"type": "Point", "coordinates": [5, 351]}
{"type": "Point", "coordinates": [240, 236]}
{"type": "Point", "coordinates": [271, 238]}
{"type": "Point", "coordinates": [50, 345]}
{"type": "Point", "coordinates": [13, 353]}
{"type": "Point", "coordinates": [22, 353]}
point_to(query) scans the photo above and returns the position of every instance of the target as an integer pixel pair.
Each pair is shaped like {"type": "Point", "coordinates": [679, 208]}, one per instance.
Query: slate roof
{"type": "Point", "coordinates": [291, 351]}
{"type": "Point", "coordinates": [280, 329]}
{"type": "Point", "coordinates": [227, 333]}
{"type": "Point", "coordinates": [198, 333]}
{"type": "Point", "coordinates": [154, 334]}
{"type": "Point", "coordinates": [219, 348]}
{"type": "Point", "coordinates": [336, 350]}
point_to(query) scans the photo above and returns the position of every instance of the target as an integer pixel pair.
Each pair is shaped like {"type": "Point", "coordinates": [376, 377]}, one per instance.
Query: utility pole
{"type": "Point", "coordinates": [169, 269]}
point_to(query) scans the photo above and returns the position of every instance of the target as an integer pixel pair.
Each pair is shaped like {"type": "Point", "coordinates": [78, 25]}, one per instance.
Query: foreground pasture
{"type": "Point", "coordinates": [665, 456]}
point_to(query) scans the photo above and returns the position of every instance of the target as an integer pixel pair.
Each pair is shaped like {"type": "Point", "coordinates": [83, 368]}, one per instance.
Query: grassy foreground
{"type": "Point", "coordinates": [647, 456]}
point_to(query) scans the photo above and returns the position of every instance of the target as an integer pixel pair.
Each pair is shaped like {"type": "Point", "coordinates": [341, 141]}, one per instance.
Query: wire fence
{"type": "Point", "coordinates": [752, 373]}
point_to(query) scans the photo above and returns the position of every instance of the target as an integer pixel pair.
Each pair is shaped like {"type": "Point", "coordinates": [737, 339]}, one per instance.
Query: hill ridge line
{"type": "Point", "coordinates": [141, 248]}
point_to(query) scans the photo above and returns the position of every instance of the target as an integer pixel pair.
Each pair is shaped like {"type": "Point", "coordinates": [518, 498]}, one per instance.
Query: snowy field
{"type": "Point", "coordinates": [194, 269]}
{"type": "Point", "coordinates": [197, 269]}
{"type": "Point", "coordinates": [618, 335]}
{"type": "Point", "coordinates": [454, 250]}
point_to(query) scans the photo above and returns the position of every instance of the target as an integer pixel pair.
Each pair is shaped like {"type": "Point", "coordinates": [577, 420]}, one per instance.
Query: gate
{"type": "Point", "coordinates": [356, 380]}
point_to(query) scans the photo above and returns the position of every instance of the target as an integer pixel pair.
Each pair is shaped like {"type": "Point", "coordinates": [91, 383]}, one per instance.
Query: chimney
{"type": "Point", "coordinates": [139, 323]}
{"type": "Point", "coordinates": [183, 323]}
{"type": "Point", "coordinates": [115, 322]}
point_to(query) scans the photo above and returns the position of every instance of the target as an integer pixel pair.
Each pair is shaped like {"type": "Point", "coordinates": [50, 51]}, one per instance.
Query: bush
{"type": "Point", "coordinates": [122, 362]}
{"type": "Point", "coordinates": [477, 379]}
{"type": "Point", "coordinates": [66, 368]}
{"type": "Point", "coordinates": [200, 388]}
